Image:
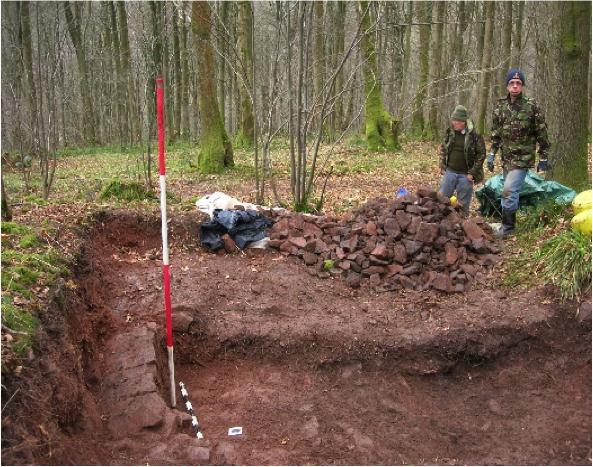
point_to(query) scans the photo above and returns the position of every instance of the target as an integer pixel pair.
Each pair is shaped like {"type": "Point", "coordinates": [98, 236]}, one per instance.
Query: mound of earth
{"type": "Point", "coordinates": [313, 371]}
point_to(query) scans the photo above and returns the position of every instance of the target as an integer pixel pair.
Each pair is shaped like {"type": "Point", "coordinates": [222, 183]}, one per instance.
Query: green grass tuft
{"type": "Point", "coordinates": [565, 261]}
{"type": "Point", "coordinates": [12, 228]}
{"type": "Point", "coordinates": [19, 321]}
{"type": "Point", "coordinates": [131, 191]}
{"type": "Point", "coordinates": [30, 241]}
{"type": "Point", "coordinates": [545, 214]}
{"type": "Point", "coordinates": [36, 200]}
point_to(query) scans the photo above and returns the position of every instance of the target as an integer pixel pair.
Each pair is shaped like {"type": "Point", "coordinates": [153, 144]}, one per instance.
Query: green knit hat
{"type": "Point", "coordinates": [460, 113]}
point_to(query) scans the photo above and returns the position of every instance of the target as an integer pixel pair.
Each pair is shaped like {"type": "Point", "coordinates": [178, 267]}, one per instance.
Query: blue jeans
{"type": "Point", "coordinates": [513, 181]}
{"type": "Point", "coordinates": [452, 181]}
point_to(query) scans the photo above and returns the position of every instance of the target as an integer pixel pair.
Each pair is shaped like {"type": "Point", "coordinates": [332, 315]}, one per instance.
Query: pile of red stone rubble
{"type": "Point", "coordinates": [417, 241]}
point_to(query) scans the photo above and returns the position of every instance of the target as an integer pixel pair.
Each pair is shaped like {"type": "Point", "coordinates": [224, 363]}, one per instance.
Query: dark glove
{"type": "Point", "coordinates": [543, 164]}
{"type": "Point", "coordinates": [490, 163]}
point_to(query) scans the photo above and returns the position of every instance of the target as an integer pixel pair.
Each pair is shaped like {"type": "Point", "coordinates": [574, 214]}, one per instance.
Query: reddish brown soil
{"type": "Point", "coordinates": [313, 371]}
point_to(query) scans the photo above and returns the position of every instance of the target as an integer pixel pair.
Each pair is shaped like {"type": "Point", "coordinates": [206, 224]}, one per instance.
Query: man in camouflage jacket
{"type": "Point", "coordinates": [518, 130]}
{"type": "Point", "coordinates": [462, 158]}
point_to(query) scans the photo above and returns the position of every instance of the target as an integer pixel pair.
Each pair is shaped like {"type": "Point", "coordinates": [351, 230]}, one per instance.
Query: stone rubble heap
{"type": "Point", "coordinates": [417, 241]}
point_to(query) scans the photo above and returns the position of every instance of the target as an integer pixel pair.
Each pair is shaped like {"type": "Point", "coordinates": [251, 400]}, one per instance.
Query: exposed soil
{"type": "Point", "coordinates": [314, 371]}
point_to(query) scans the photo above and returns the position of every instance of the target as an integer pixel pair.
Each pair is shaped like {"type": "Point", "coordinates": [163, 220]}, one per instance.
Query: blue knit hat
{"type": "Point", "coordinates": [515, 73]}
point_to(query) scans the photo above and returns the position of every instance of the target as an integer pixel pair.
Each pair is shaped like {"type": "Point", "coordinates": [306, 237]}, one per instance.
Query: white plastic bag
{"type": "Point", "coordinates": [216, 200]}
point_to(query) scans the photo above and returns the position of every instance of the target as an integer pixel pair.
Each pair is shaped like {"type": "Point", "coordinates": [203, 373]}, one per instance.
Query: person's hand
{"type": "Point", "coordinates": [470, 178]}
{"type": "Point", "coordinates": [543, 164]}
{"type": "Point", "coordinates": [490, 162]}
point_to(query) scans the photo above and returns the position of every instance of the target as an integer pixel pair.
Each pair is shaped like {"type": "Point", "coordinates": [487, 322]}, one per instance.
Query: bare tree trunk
{"type": "Point", "coordinates": [5, 209]}
{"type": "Point", "coordinates": [399, 33]}
{"type": "Point", "coordinates": [338, 38]}
{"type": "Point", "coordinates": [176, 72]}
{"type": "Point", "coordinates": [157, 51]}
{"type": "Point", "coordinates": [293, 165]}
{"type": "Point", "coordinates": [28, 73]}
{"type": "Point", "coordinates": [47, 148]}
{"type": "Point", "coordinates": [157, 71]}
{"type": "Point", "coordinates": [185, 81]}
{"type": "Point", "coordinates": [133, 113]}
{"type": "Point", "coordinates": [518, 36]}
{"type": "Point", "coordinates": [480, 30]}
{"type": "Point", "coordinates": [299, 189]}
{"type": "Point", "coordinates": [168, 68]}
{"type": "Point", "coordinates": [432, 132]}
{"type": "Point", "coordinates": [74, 28]}
{"type": "Point", "coordinates": [484, 88]}
{"type": "Point", "coordinates": [244, 41]}
{"type": "Point", "coordinates": [467, 12]}
{"type": "Point", "coordinates": [458, 50]}
{"type": "Point", "coordinates": [507, 61]}
{"type": "Point", "coordinates": [423, 15]}
{"type": "Point", "coordinates": [223, 14]}
{"type": "Point", "coordinates": [406, 60]}
{"type": "Point", "coordinates": [318, 51]}
{"type": "Point", "coordinates": [111, 32]}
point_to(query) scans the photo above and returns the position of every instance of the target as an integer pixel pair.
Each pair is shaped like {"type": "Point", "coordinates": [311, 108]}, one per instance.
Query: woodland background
{"type": "Point", "coordinates": [240, 74]}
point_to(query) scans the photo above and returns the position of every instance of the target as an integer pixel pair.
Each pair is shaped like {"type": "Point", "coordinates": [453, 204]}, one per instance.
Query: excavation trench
{"type": "Point", "coordinates": [313, 371]}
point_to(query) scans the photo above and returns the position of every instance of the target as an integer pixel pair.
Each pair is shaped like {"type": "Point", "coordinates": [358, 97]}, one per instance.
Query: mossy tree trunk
{"type": "Point", "coordinates": [216, 151]}
{"type": "Point", "coordinates": [569, 154]}
{"type": "Point", "coordinates": [382, 129]}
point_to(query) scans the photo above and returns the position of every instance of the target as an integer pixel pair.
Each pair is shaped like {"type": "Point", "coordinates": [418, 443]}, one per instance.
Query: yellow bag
{"type": "Point", "coordinates": [582, 201]}
{"type": "Point", "coordinates": [582, 222]}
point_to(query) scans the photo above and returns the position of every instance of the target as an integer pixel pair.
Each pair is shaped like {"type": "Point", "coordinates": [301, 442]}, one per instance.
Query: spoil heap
{"type": "Point", "coordinates": [417, 241]}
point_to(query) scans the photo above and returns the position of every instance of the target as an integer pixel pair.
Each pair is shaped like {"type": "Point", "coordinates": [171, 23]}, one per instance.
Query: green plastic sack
{"type": "Point", "coordinates": [534, 191]}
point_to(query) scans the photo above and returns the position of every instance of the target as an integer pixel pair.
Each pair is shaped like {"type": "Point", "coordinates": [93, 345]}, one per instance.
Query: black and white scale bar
{"type": "Point", "coordinates": [190, 409]}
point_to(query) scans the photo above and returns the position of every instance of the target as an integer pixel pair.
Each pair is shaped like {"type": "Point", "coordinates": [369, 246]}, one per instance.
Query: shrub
{"type": "Point", "coordinates": [565, 261]}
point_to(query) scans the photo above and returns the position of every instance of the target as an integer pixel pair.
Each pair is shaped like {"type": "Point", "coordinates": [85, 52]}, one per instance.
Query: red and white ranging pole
{"type": "Point", "coordinates": [166, 277]}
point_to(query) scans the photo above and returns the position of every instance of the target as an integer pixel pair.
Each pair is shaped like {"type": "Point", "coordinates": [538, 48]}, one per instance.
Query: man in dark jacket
{"type": "Point", "coordinates": [462, 158]}
{"type": "Point", "coordinates": [518, 128]}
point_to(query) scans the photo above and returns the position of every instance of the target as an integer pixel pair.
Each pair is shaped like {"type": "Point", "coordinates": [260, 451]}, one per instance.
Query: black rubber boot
{"type": "Point", "coordinates": [508, 223]}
